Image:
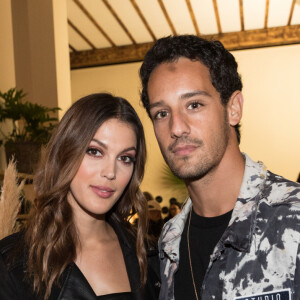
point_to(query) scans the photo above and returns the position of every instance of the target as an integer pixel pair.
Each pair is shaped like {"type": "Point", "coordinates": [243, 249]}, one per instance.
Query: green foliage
{"type": "Point", "coordinates": [30, 122]}
{"type": "Point", "coordinates": [170, 181]}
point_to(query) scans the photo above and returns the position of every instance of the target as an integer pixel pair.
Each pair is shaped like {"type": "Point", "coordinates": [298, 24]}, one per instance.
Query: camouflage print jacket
{"type": "Point", "coordinates": [258, 256]}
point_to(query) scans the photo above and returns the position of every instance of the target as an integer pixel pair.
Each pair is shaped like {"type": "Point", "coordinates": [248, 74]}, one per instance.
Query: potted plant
{"type": "Point", "coordinates": [31, 126]}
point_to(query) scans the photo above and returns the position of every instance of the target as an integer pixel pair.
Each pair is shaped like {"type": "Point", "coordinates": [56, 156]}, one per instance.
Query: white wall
{"type": "Point", "coordinates": [271, 121]}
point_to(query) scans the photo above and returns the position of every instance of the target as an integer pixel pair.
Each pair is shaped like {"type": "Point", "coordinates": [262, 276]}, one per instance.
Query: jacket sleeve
{"type": "Point", "coordinates": [297, 275]}
{"type": "Point", "coordinates": [8, 288]}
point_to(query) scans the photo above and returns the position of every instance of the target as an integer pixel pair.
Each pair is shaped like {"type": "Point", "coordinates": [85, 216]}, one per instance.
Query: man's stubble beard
{"type": "Point", "coordinates": [206, 162]}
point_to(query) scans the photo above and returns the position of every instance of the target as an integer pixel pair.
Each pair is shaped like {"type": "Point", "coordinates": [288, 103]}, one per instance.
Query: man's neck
{"type": "Point", "coordinates": [216, 193]}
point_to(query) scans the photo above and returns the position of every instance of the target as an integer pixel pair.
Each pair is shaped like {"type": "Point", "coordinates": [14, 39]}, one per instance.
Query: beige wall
{"type": "Point", "coordinates": [7, 64]}
{"type": "Point", "coordinates": [42, 51]}
{"type": "Point", "coordinates": [271, 121]}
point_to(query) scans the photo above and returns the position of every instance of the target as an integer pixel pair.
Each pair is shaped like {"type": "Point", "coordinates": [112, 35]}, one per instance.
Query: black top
{"type": "Point", "coordinates": [116, 296]}
{"type": "Point", "coordinates": [204, 236]}
{"type": "Point", "coordinates": [72, 284]}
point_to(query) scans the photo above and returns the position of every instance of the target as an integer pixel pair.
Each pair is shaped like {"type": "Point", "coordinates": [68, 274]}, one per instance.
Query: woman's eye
{"type": "Point", "coordinates": [93, 152]}
{"type": "Point", "coordinates": [160, 115]}
{"type": "Point", "coordinates": [127, 159]}
{"type": "Point", "coordinates": [194, 105]}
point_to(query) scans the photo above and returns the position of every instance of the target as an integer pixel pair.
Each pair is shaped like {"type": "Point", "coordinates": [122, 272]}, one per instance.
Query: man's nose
{"type": "Point", "coordinates": [179, 125]}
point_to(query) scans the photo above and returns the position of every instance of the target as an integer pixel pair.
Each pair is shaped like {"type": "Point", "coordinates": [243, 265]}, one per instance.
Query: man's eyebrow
{"type": "Point", "coordinates": [158, 103]}
{"type": "Point", "coordinates": [193, 93]}
{"type": "Point", "coordinates": [182, 97]}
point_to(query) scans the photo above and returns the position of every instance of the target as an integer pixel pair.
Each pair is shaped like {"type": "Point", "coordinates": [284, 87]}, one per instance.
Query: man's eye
{"type": "Point", "coordinates": [194, 105]}
{"type": "Point", "coordinates": [127, 159]}
{"type": "Point", "coordinates": [160, 115]}
{"type": "Point", "coordinates": [93, 152]}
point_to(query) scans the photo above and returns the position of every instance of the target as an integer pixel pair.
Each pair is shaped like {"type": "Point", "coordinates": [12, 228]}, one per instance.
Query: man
{"type": "Point", "coordinates": [237, 237]}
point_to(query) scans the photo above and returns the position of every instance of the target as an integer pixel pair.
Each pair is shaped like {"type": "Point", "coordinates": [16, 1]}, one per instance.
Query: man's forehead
{"type": "Point", "coordinates": [181, 65]}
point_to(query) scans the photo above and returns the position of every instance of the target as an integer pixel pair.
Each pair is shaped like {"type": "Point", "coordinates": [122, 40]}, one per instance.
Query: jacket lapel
{"type": "Point", "coordinates": [129, 253]}
{"type": "Point", "coordinates": [76, 286]}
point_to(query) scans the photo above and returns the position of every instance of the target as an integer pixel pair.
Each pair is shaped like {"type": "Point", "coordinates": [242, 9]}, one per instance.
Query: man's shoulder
{"type": "Point", "coordinates": [280, 191]}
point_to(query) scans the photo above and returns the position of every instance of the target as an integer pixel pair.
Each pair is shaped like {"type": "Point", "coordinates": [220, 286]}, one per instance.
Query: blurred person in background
{"type": "Point", "coordinates": [174, 209]}
{"type": "Point", "coordinates": [156, 222]}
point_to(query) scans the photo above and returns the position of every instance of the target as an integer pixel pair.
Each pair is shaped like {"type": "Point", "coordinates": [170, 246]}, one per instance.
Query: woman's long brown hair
{"type": "Point", "coordinates": [51, 236]}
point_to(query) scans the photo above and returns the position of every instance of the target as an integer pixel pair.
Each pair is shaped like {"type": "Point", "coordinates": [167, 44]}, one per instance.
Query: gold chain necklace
{"type": "Point", "coordinates": [189, 251]}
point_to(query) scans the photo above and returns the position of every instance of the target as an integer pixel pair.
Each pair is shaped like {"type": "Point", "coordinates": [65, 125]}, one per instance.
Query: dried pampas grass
{"type": "Point", "coordinates": [9, 200]}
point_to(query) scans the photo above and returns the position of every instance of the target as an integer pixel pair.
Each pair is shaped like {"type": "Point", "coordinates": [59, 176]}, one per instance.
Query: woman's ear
{"type": "Point", "coordinates": [235, 108]}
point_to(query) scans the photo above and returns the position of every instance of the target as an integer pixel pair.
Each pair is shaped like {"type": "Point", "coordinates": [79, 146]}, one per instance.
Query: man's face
{"type": "Point", "coordinates": [190, 123]}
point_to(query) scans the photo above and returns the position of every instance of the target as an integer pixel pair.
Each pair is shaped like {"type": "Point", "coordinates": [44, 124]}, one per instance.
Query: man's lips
{"type": "Point", "coordinates": [102, 191]}
{"type": "Point", "coordinates": [182, 150]}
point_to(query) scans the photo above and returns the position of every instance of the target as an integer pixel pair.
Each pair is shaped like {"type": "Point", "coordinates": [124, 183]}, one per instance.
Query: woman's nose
{"type": "Point", "coordinates": [108, 169]}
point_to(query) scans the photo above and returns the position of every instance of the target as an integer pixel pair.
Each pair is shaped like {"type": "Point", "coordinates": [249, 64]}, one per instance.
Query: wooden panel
{"type": "Point", "coordinates": [205, 16]}
{"type": "Point", "coordinates": [81, 34]}
{"type": "Point", "coordinates": [217, 16]}
{"type": "Point", "coordinates": [191, 11]}
{"type": "Point", "coordinates": [276, 36]}
{"type": "Point", "coordinates": [291, 12]}
{"type": "Point", "coordinates": [163, 8]}
{"type": "Point", "coordinates": [267, 13]}
{"type": "Point", "coordinates": [139, 12]}
{"type": "Point", "coordinates": [242, 15]}
{"type": "Point", "coordinates": [119, 21]}
{"type": "Point", "coordinates": [254, 14]}
{"type": "Point", "coordinates": [108, 56]}
{"type": "Point", "coordinates": [90, 17]}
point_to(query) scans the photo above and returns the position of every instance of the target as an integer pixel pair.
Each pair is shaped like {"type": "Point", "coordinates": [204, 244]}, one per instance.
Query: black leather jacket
{"type": "Point", "coordinates": [73, 285]}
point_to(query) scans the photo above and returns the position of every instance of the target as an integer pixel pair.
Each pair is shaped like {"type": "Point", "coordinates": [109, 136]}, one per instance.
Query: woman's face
{"type": "Point", "coordinates": [105, 170]}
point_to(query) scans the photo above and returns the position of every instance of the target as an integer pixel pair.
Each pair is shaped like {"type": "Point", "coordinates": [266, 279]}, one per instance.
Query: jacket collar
{"type": "Point", "coordinates": [240, 227]}
{"type": "Point", "coordinates": [170, 237]}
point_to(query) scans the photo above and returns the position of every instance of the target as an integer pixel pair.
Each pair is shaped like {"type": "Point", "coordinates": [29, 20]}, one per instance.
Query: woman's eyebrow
{"type": "Point", "coordinates": [105, 146]}
{"type": "Point", "coordinates": [129, 149]}
{"type": "Point", "coordinates": [99, 143]}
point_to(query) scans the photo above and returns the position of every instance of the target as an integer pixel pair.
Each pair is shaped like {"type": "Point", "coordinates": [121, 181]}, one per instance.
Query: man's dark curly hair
{"type": "Point", "coordinates": [220, 62]}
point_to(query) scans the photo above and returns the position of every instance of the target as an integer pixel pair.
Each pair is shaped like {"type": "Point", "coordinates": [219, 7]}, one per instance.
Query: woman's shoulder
{"type": "Point", "coordinates": [10, 243]}
{"type": "Point", "coordinates": [12, 267]}
{"type": "Point", "coordinates": [12, 250]}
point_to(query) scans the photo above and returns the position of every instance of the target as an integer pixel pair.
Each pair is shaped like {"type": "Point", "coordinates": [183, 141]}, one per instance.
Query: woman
{"type": "Point", "coordinates": [78, 243]}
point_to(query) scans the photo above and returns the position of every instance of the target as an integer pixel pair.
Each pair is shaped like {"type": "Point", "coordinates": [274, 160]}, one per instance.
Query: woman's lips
{"type": "Point", "coordinates": [102, 191]}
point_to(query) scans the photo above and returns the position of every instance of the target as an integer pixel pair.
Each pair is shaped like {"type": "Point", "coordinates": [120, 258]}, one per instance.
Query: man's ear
{"type": "Point", "coordinates": [235, 108]}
